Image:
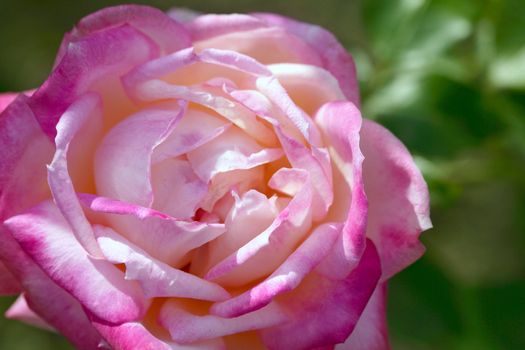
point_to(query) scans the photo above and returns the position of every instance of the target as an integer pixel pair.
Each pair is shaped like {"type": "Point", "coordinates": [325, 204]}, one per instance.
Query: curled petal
{"type": "Point", "coordinates": [99, 286]}
{"type": "Point", "coordinates": [186, 327]}
{"type": "Point", "coordinates": [323, 312]}
{"type": "Point", "coordinates": [398, 197]}
{"type": "Point", "coordinates": [156, 278]}
{"type": "Point", "coordinates": [287, 277]}
{"type": "Point", "coordinates": [122, 161]}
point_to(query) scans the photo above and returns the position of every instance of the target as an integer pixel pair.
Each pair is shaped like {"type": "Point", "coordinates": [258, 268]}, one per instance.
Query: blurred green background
{"type": "Point", "coordinates": [448, 78]}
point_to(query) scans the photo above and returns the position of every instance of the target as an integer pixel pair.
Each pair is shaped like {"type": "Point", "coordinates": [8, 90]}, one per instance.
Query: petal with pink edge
{"type": "Point", "coordinates": [186, 327]}
{"type": "Point", "coordinates": [98, 285]}
{"type": "Point", "coordinates": [340, 124]}
{"type": "Point", "coordinates": [266, 251]}
{"type": "Point", "coordinates": [56, 307]}
{"type": "Point", "coordinates": [161, 236]}
{"type": "Point", "coordinates": [211, 25]}
{"type": "Point", "coordinates": [8, 283]}
{"type": "Point", "coordinates": [70, 124]}
{"type": "Point", "coordinates": [6, 99]}
{"type": "Point", "coordinates": [287, 277]}
{"type": "Point", "coordinates": [25, 154]}
{"type": "Point", "coordinates": [133, 335]}
{"type": "Point", "coordinates": [334, 56]}
{"type": "Point", "coordinates": [398, 198]}
{"type": "Point", "coordinates": [20, 311]}
{"type": "Point", "coordinates": [156, 278]}
{"type": "Point", "coordinates": [322, 311]}
{"type": "Point", "coordinates": [370, 332]}
{"type": "Point", "coordinates": [123, 160]}
{"type": "Point", "coordinates": [103, 55]}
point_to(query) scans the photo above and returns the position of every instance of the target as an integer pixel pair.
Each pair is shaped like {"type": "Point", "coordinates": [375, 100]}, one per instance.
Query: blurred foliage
{"type": "Point", "coordinates": [448, 78]}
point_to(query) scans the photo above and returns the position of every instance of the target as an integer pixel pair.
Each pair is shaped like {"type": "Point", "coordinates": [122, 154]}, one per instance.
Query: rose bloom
{"type": "Point", "coordinates": [185, 181]}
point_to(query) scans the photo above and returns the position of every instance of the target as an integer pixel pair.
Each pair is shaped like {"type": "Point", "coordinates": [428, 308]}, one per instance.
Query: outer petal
{"type": "Point", "coordinates": [371, 332]}
{"type": "Point", "coordinates": [25, 152]}
{"type": "Point", "coordinates": [103, 55]}
{"type": "Point", "coordinates": [56, 307]}
{"type": "Point", "coordinates": [211, 25]}
{"type": "Point", "coordinates": [334, 56]}
{"type": "Point", "coordinates": [398, 197]}
{"type": "Point", "coordinates": [169, 35]}
{"type": "Point", "coordinates": [6, 99]}
{"type": "Point", "coordinates": [340, 123]}
{"type": "Point", "coordinates": [22, 312]}
{"type": "Point", "coordinates": [97, 284]}
{"type": "Point", "coordinates": [324, 312]}
{"type": "Point", "coordinates": [8, 284]}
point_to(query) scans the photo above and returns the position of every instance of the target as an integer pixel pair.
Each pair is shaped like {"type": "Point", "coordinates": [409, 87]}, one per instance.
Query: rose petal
{"type": "Point", "coordinates": [370, 332]}
{"type": "Point", "coordinates": [307, 85]}
{"type": "Point", "coordinates": [25, 152]}
{"type": "Point", "coordinates": [8, 283]}
{"type": "Point", "coordinates": [195, 129]}
{"type": "Point", "coordinates": [6, 99]}
{"type": "Point", "coordinates": [103, 55]}
{"type": "Point", "coordinates": [22, 312]}
{"type": "Point", "coordinates": [287, 277]}
{"type": "Point", "coordinates": [186, 328]}
{"type": "Point", "coordinates": [211, 25]}
{"type": "Point", "coordinates": [231, 151]}
{"type": "Point", "coordinates": [177, 189]}
{"type": "Point", "coordinates": [266, 45]}
{"type": "Point", "coordinates": [57, 307]}
{"type": "Point", "coordinates": [398, 197]}
{"type": "Point", "coordinates": [70, 123]}
{"type": "Point", "coordinates": [156, 278]}
{"type": "Point", "coordinates": [163, 237]}
{"type": "Point", "coordinates": [334, 56]}
{"type": "Point", "coordinates": [340, 123]}
{"type": "Point", "coordinates": [265, 252]}
{"type": "Point", "coordinates": [99, 286]}
{"type": "Point", "coordinates": [322, 311]}
{"type": "Point", "coordinates": [122, 161]}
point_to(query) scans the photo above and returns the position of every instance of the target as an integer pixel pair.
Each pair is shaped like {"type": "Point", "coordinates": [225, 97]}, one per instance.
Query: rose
{"type": "Point", "coordinates": [209, 183]}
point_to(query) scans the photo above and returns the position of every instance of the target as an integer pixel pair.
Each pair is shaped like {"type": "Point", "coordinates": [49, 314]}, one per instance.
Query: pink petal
{"type": "Point", "coordinates": [334, 56]}
{"type": "Point", "coordinates": [211, 25]}
{"type": "Point", "coordinates": [398, 197]}
{"type": "Point", "coordinates": [307, 85]}
{"type": "Point", "coordinates": [177, 189]}
{"type": "Point", "coordinates": [249, 215]}
{"type": "Point", "coordinates": [163, 237]}
{"type": "Point", "coordinates": [6, 99]}
{"type": "Point", "coordinates": [122, 161]}
{"type": "Point", "coordinates": [167, 33]}
{"type": "Point", "coordinates": [8, 283]}
{"type": "Point", "coordinates": [194, 130]}
{"type": "Point", "coordinates": [156, 278]}
{"type": "Point", "coordinates": [25, 152]}
{"type": "Point", "coordinates": [129, 336]}
{"type": "Point", "coordinates": [340, 124]}
{"type": "Point", "coordinates": [100, 56]}
{"type": "Point", "coordinates": [370, 332]}
{"type": "Point", "coordinates": [264, 253]}
{"type": "Point", "coordinates": [22, 312]}
{"type": "Point", "coordinates": [186, 327]}
{"type": "Point", "coordinates": [318, 167]}
{"type": "Point", "coordinates": [231, 151]}
{"type": "Point", "coordinates": [98, 285]}
{"type": "Point", "coordinates": [53, 304]}
{"type": "Point", "coordinates": [70, 123]}
{"type": "Point", "coordinates": [266, 45]}
{"type": "Point", "coordinates": [322, 311]}
{"type": "Point", "coordinates": [287, 277]}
